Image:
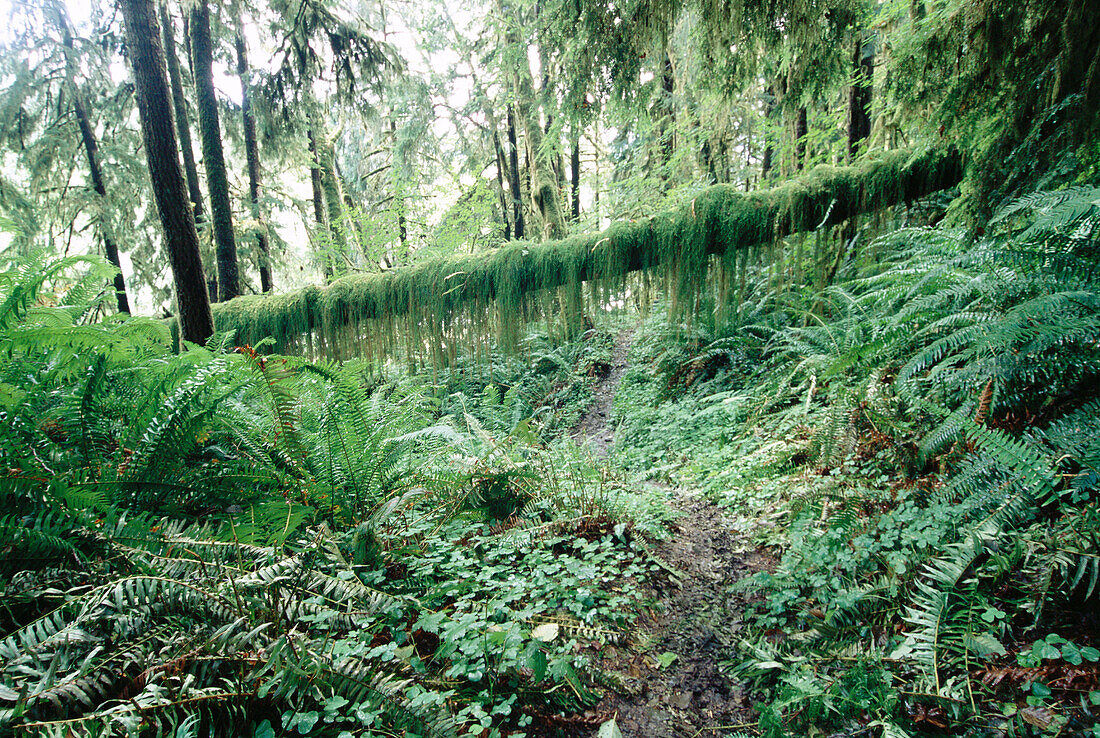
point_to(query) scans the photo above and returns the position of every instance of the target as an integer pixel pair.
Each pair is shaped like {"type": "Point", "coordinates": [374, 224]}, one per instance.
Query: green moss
{"type": "Point", "coordinates": [432, 308]}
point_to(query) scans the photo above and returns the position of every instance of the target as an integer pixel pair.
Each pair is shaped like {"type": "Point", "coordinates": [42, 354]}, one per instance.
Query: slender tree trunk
{"type": "Point", "coordinates": [667, 108]}
{"type": "Point", "coordinates": [179, 103]}
{"type": "Point", "coordinates": [575, 172]}
{"type": "Point", "coordinates": [501, 189]}
{"type": "Point", "coordinates": [319, 202]}
{"type": "Point", "coordinates": [398, 195]}
{"type": "Point", "coordinates": [217, 180]}
{"type": "Point", "coordinates": [91, 151]}
{"type": "Point", "coordinates": [334, 203]}
{"type": "Point", "coordinates": [169, 190]}
{"type": "Point", "coordinates": [513, 157]}
{"type": "Point", "coordinates": [252, 156]}
{"type": "Point", "coordinates": [801, 129]}
{"type": "Point", "coordinates": [769, 147]}
{"type": "Point", "coordinates": [859, 94]}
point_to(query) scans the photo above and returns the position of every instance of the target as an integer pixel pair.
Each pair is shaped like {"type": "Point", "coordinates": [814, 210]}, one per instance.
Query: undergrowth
{"type": "Point", "coordinates": [916, 443]}
{"type": "Point", "coordinates": [224, 542]}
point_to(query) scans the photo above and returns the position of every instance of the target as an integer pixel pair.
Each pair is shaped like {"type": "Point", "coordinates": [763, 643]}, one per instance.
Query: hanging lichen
{"type": "Point", "coordinates": [432, 308]}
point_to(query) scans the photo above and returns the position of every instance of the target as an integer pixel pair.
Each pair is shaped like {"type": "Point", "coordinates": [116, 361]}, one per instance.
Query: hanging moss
{"type": "Point", "coordinates": [432, 307]}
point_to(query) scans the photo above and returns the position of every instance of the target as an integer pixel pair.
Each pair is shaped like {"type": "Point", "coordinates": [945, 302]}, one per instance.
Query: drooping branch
{"type": "Point", "coordinates": [429, 305]}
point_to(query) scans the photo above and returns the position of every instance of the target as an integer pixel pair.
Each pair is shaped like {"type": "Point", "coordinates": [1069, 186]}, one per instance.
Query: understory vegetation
{"type": "Point", "coordinates": [227, 542]}
{"type": "Point", "coordinates": [230, 541]}
{"type": "Point", "coordinates": [549, 368]}
{"type": "Point", "coordinates": [919, 444]}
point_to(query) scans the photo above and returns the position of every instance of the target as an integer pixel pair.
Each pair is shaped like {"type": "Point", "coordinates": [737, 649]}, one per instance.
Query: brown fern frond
{"type": "Point", "coordinates": [983, 403]}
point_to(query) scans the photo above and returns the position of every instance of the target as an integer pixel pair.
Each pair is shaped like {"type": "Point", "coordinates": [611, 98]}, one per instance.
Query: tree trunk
{"type": "Point", "coordinates": [252, 156]}
{"type": "Point", "coordinates": [183, 126]}
{"type": "Point", "coordinates": [859, 94]}
{"type": "Point", "coordinates": [91, 151]}
{"type": "Point", "coordinates": [169, 190]}
{"type": "Point", "coordinates": [319, 202]}
{"type": "Point", "coordinates": [501, 190]}
{"type": "Point", "coordinates": [334, 203]}
{"type": "Point", "coordinates": [513, 157]}
{"type": "Point", "coordinates": [217, 180]}
{"type": "Point", "coordinates": [769, 147]}
{"type": "Point", "coordinates": [801, 128]}
{"type": "Point", "coordinates": [667, 113]}
{"type": "Point", "coordinates": [544, 190]}
{"type": "Point", "coordinates": [575, 172]}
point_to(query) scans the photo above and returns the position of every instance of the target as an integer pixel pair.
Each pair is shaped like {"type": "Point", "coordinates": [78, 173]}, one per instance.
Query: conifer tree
{"type": "Point", "coordinates": [217, 178]}
{"type": "Point", "coordinates": [158, 131]}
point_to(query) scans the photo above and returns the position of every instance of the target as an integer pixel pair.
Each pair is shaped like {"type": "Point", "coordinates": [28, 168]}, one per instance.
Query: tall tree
{"type": "Point", "coordinates": [252, 156]}
{"type": "Point", "coordinates": [179, 104]}
{"type": "Point", "coordinates": [860, 93]}
{"type": "Point", "coordinates": [91, 151]}
{"type": "Point", "coordinates": [213, 157]}
{"type": "Point", "coordinates": [170, 192]}
{"type": "Point", "coordinates": [514, 177]}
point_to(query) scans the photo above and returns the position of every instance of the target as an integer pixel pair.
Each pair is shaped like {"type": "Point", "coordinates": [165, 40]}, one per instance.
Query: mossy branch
{"type": "Point", "coordinates": [439, 303]}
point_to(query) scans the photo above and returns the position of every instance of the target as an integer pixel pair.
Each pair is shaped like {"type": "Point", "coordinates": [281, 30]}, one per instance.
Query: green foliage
{"type": "Point", "coordinates": [928, 418]}
{"type": "Point", "coordinates": [249, 543]}
{"type": "Point", "coordinates": [494, 294]}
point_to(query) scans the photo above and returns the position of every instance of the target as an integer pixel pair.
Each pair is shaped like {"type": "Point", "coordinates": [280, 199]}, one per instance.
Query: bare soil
{"type": "Point", "coordinates": [673, 683]}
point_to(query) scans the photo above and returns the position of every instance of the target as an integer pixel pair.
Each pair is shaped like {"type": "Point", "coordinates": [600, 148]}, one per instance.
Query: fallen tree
{"type": "Point", "coordinates": [433, 307]}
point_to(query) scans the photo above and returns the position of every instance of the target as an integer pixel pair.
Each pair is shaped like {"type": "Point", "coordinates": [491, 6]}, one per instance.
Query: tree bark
{"type": "Point", "coordinates": [860, 94]}
{"type": "Point", "coordinates": [91, 151]}
{"type": "Point", "coordinates": [330, 186]}
{"type": "Point", "coordinates": [513, 157]}
{"type": "Point", "coordinates": [667, 113]}
{"type": "Point", "coordinates": [769, 147]}
{"type": "Point", "coordinates": [252, 156]}
{"type": "Point", "coordinates": [575, 173]}
{"type": "Point", "coordinates": [544, 190]}
{"type": "Point", "coordinates": [179, 103]}
{"type": "Point", "coordinates": [801, 129]}
{"type": "Point", "coordinates": [501, 189]}
{"type": "Point", "coordinates": [319, 201]}
{"type": "Point", "coordinates": [217, 180]}
{"type": "Point", "coordinates": [169, 190]}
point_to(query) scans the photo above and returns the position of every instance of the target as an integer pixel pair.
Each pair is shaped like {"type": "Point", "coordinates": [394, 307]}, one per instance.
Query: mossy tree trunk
{"type": "Point", "coordinates": [502, 189]}
{"type": "Point", "coordinates": [666, 114]}
{"type": "Point", "coordinates": [252, 156]}
{"type": "Point", "coordinates": [545, 194]}
{"type": "Point", "coordinates": [169, 190]}
{"type": "Point", "coordinates": [91, 151]}
{"type": "Point", "coordinates": [334, 201]}
{"type": "Point", "coordinates": [768, 160]}
{"type": "Point", "coordinates": [860, 94]}
{"type": "Point", "coordinates": [319, 206]}
{"type": "Point", "coordinates": [575, 174]}
{"type": "Point", "coordinates": [213, 157]}
{"type": "Point", "coordinates": [801, 130]}
{"type": "Point", "coordinates": [513, 176]}
{"type": "Point", "coordinates": [544, 189]}
{"type": "Point", "coordinates": [179, 104]}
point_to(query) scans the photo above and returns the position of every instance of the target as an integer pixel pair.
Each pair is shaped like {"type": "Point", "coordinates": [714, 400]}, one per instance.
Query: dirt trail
{"type": "Point", "coordinates": [670, 670]}
{"type": "Point", "coordinates": [594, 426]}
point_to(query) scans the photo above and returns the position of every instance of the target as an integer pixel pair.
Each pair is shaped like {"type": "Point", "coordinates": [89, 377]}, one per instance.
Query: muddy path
{"type": "Point", "coordinates": [594, 427]}
{"type": "Point", "coordinates": [673, 683]}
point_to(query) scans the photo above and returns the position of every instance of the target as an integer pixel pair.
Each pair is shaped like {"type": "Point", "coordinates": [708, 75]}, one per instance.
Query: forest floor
{"type": "Point", "coordinates": [671, 668]}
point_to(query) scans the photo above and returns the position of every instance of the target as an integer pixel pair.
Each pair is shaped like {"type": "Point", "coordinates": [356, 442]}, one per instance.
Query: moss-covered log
{"type": "Point", "coordinates": [439, 304]}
